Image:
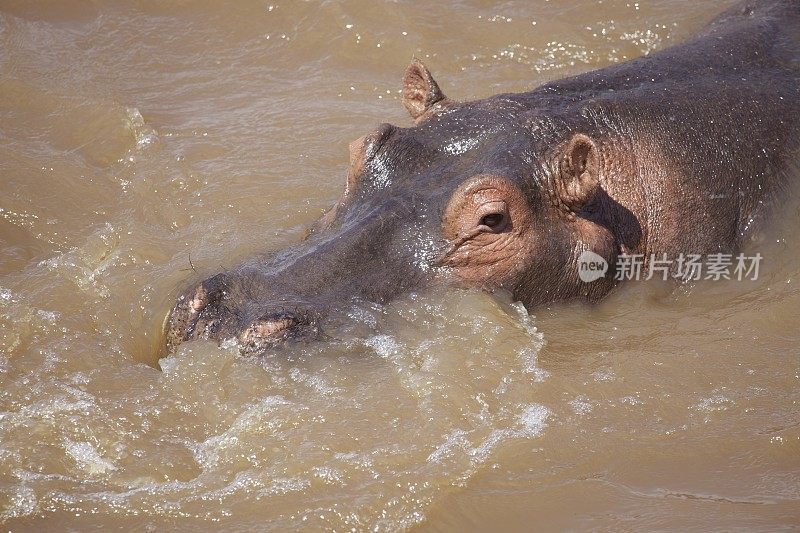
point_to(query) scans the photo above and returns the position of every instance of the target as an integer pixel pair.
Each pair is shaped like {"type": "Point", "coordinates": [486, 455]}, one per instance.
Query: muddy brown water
{"type": "Point", "coordinates": [144, 144]}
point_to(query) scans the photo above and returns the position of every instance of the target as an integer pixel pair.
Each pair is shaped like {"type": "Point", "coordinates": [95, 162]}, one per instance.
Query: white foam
{"type": "Point", "coordinates": [581, 405]}
{"type": "Point", "coordinates": [530, 423]}
{"type": "Point", "coordinates": [718, 402]}
{"type": "Point", "coordinates": [49, 316]}
{"type": "Point", "coordinates": [6, 295]}
{"type": "Point", "coordinates": [534, 419]}
{"type": "Point", "coordinates": [455, 440]}
{"type": "Point", "coordinates": [384, 345]}
{"type": "Point", "coordinates": [23, 502]}
{"type": "Point", "coordinates": [145, 135]}
{"type": "Point", "coordinates": [87, 457]}
{"type": "Point", "coordinates": [207, 453]}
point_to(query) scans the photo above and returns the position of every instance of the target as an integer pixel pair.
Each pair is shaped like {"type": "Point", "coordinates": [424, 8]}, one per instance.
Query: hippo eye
{"type": "Point", "coordinates": [494, 221]}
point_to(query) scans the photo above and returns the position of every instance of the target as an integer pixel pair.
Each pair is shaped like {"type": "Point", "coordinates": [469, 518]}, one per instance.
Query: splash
{"type": "Point", "coordinates": [361, 433]}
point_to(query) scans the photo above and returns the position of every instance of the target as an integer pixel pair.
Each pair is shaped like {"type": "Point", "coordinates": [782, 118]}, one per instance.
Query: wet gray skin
{"type": "Point", "coordinates": [685, 151]}
{"type": "Point", "coordinates": [383, 238]}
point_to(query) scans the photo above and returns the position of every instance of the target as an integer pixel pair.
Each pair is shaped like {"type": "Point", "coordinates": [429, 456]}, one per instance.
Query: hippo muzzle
{"type": "Point", "coordinates": [211, 310]}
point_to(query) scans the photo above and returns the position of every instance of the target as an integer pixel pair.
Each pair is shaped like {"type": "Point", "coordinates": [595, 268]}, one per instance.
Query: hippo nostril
{"type": "Point", "coordinates": [272, 327]}
{"type": "Point", "coordinates": [200, 300]}
{"type": "Point", "coordinates": [195, 313]}
{"type": "Point", "coordinates": [267, 331]}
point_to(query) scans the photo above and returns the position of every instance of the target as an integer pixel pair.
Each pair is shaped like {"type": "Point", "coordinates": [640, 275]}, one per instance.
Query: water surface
{"type": "Point", "coordinates": [144, 145]}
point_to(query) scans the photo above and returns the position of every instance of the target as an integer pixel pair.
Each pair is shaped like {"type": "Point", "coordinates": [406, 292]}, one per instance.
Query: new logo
{"type": "Point", "coordinates": [591, 266]}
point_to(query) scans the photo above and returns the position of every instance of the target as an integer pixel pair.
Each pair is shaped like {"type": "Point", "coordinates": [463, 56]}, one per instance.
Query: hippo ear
{"type": "Point", "coordinates": [579, 173]}
{"type": "Point", "coordinates": [420, 91]}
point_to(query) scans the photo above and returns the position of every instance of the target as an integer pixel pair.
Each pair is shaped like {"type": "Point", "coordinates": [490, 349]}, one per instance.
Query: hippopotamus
{"type": "Point", "coordinates": [685, 150]}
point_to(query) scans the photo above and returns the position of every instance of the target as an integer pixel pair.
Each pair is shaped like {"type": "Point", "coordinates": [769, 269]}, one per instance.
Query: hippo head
{"type": "Point", "coordinates": [495, 194]}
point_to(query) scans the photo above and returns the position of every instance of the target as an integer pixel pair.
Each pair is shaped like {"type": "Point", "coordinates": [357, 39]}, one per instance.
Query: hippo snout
{"type": "Point", "coordinates": [219, 309]}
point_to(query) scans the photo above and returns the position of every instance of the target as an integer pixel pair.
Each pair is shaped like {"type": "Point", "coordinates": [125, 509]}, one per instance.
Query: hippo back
{"type": "Point", "coordinates": [701, 136]}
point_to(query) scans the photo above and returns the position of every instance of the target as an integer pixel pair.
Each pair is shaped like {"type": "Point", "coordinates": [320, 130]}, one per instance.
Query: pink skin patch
{"type": "Point", "coordinates": [199, 300]}
{"type": "Point", "coordinates": [264, 331]}
{"type": "Point", "coordinates": [268, 328]}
